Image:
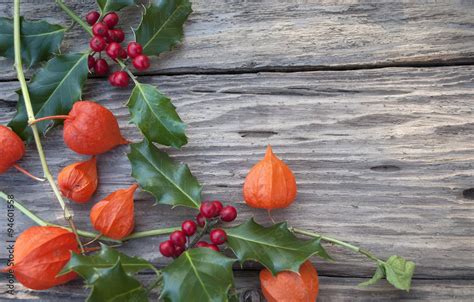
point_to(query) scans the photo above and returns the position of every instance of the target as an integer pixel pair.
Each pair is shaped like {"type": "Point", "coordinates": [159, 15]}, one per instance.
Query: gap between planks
{"type": "Point", "coordinates": [468, 61]}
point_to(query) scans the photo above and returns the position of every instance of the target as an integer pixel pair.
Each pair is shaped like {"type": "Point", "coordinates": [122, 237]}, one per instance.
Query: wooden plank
{"type": "Point", "coordinates": [296, 35]}
{"type": "Point", "coordinates": [335, 130]}
{"type": "Point", "coordinates": [331, 290]}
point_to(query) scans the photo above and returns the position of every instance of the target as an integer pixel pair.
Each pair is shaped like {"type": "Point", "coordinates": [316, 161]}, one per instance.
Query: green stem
{"type": "Point", "coordinates": [75, 17]}
{"type": "Point", "coordinates": [157, 282]}
{"type": "Point", "coordinates": [151, 233]}
{"type": "Point", "coordinates": [349, 246]}
{"type": "Point", "coordinates": [31, 118]}
{"type": "Point", "coordinates": [42, 222]}
{"type": "Point", "coordinates": [209, 225]}
{"type": "Point", "coordinates": [86, 234]}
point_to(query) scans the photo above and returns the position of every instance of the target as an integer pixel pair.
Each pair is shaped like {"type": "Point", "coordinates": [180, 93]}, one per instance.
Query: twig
{"type": "Point", "coordinates": [349, 246]}
{"type": "Point", "coordinates": [42, 222]}
{"type": "Point", "coordinates": [74, 16]}
{"type": "Point", "coordinates": [31, 118]}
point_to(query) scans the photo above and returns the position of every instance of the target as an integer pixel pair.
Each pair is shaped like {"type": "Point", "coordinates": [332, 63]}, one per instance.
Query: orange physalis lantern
{"type": "Point", "coordinates": [40, 253]}
{"type": "Point", "coordinates": [12, 148]}
{"type": "Point", "coordinates": [290, 286]}
{"type": "Point", "coordinates": [78, 181]}
{"type": "Point", "coordinates": [114, 216]}
{"type": "Point", "coordinates": [270, 184]}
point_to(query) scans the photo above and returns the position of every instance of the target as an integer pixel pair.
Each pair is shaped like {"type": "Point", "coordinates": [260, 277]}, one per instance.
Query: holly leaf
{"type": "Point", "coordinates": [113, 5]}
{"type": "Point", "coordinates": [156, 116]}
{"type": "Point", "coordinates": [39, 40]}
{"type": "Point", "coordinates": [275, 247]}
{"type": "Point", "coordinates": [399, 272]}
{"type": "Point", "coordinates": [53, 90]}
{"type": "Point", "coordinates": [89, 267]}
{"type": "Point", "coordinates": [162, 25]}
{"type": "Point", "coordinates": [170, 183]}
{"type": "Point", "coordinates": [199, 274]}
{"type": "Point", "coordinates": [113, 284]}
{"type": "Point", "coordinates": [378, 275]}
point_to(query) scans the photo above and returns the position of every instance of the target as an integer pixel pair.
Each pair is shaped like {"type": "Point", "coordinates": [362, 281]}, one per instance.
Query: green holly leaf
{"type": "Point", "coordinates": [113, 5]}
{"type": "Point", "coordinates": [89, 267]}
{"type": "Point", "coordinates": [53, 90]}
{"type": "Point", "coordinates": [156, 116]}
{"type": "Point", "coordinates": [399, 272]}
{"type": "Point", "coordinates": [169, 182]}
{"type": "Point", "coordinates": [275, 247]}
{"type": "Point", "coordinates": [113, 284]}
{"type": "Point", "coordinates": [199, 274]}
{"type": "Point", "coordinates": [39, 40]}
{"type": "Point", "coordinates": [162, 25]}
{"type": "Point", "coordinates": [378, 275]}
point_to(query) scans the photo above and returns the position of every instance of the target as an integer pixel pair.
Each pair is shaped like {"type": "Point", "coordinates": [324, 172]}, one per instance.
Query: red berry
{"type": "Point", "coordinates": [113, 50]}
{"type": "Point", "coordinates": [189, 227]}
{"type": "Point", "coordinates": [201, 220]}
{"type": "Point", "coordinates": [101, 67]}
{"type": "Point", "coordinates": [178, 250]}
{"type": "Point", "coordinates": [218, 206]}
{"type": "Point", "coordinates": [141, 62]}
{"type": "Point", "coordinates": [214, 247]}
{"type": "Point", "coordinates": [122, 53]}
{"type": "Point", "coordinates": [100, 29]}
{"type": "Point", "coordinates": [97, 43]}
{"type": "Point", "coordinates": [90, 62]}
{"type": "Point", "coordinates": [208, 209]}
{"type": "Point", "coordinates": [202, 244]}
{"type": "Point", "coordinates": [178, 238]}
{"type": "Point", "coordinates": [167, 248]}
{"type": "Point", "coordinates": [116, 35]}
{"type": "Point", "coordinates": [218, 236]}
{"type": "Point", "coordinates": [119, 79]}
{"type": "Point", "coordinates": [228, 213]}
{"type": "Point", "coordinates": [92, 17]}
{"type": "Point", "coordinates": [111, 19]}
{"type": "Point", "coordinates": [134, 49]}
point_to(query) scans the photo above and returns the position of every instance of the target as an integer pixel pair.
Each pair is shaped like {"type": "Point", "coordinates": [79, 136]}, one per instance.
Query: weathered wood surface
{"type": "Point", "coordinates": [383, 157]}
{"type": "Point", "coordinates": [336, 130]}
{"type": "Point", "coordinates": [331, 290]}
{"type": "Point", "coordinates": [223, 36]}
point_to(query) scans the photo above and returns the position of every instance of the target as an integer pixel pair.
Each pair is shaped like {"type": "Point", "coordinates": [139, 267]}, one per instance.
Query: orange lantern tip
{"type": "Point", "coordinates": [270, 184]}
{"type": "Point", "coordinates": [114, 215]}
{"type": "Point", "coordinates": [269, 153]}
{"type": "Point", "coordinates": [133, 188]}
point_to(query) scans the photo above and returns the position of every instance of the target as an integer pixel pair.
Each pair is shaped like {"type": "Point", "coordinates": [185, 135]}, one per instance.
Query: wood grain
{"type": "Point", "coordinates": [331, 290]}
{"type": "Point", "coordinates": [266, 35]}
{"type": "Point", "coordinates": [341, 132]}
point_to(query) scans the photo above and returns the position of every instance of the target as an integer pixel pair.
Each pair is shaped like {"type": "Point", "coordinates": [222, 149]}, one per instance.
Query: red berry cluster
{"type": "Point", "coordinates": [107, 37]}
{"type": "Point", "coordinates": [210, 212]}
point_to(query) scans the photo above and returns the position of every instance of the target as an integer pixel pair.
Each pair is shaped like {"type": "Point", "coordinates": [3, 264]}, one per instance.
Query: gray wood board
{"type": "Point", "coordinates": [381, 157]}
{"type": "Point", "coordinates": [242, 36]}
{"type": "Point", "coordinates": [330, 289]}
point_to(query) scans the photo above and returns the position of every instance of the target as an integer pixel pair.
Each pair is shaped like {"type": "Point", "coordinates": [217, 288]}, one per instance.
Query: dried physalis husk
{"type": "Point", "coordinates": [114, 216]}
{"type": "Point", "coordinates": [12, 148]}
{"type": "Point", "coordinates": [40, 253]}
{"type": "Point", "coordinates": [91, 129]}
{"type": "Point", "coordinates": [291, 286]}
{"type": "Point", "coordinates": [78, 181]}
{"type": "Point", "coordinates": [270, 184]}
